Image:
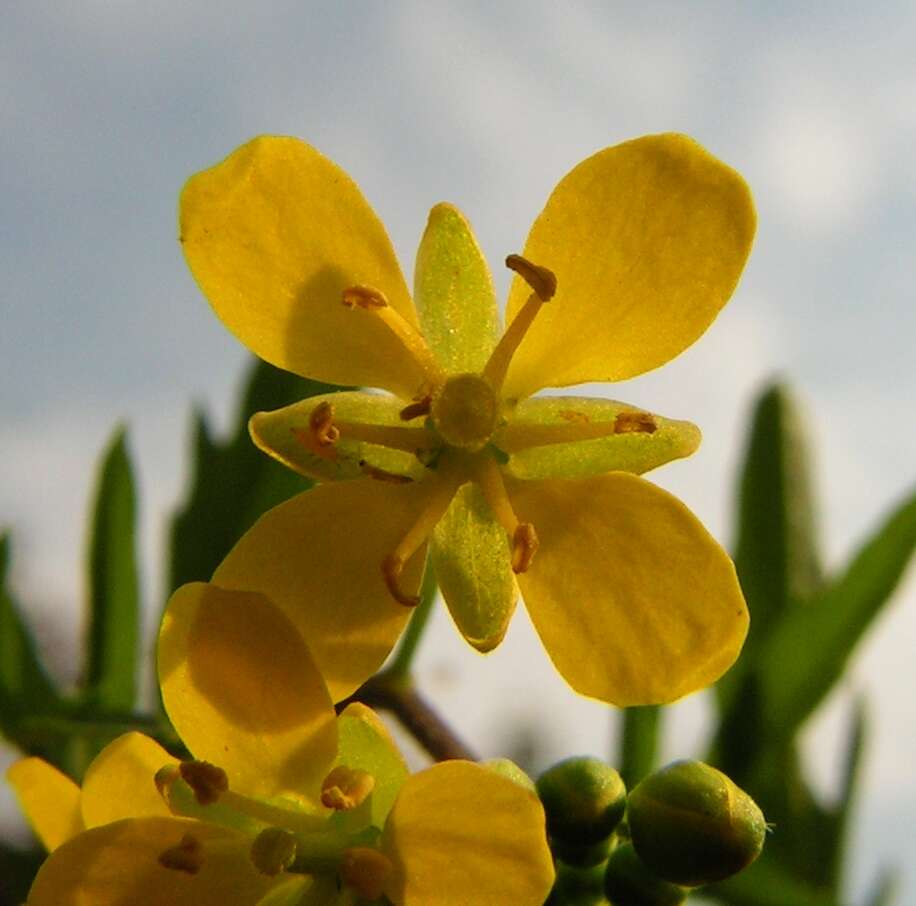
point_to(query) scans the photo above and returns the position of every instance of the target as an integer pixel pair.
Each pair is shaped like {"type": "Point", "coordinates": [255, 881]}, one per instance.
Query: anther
{"type": "Point", "coordinates": [346, 788]}
{"type": "Point", "coordinates": [524, 546]}
{"type": "Point", "coordinates": [366, 871]}
{"type": "Point", "coordinates": [321, 424]}
{"type": "Point", "coordinates": [540, 279]}
{"type": "Point", "coordinates": [186, 856]}
{"type": "Point", "coordinates": [392, 567]}
{"type": "Point", "coordinates": [273, 850]}
{"type": "Point", "coordinates": [207, 781]}
{"type": "Point", "coordinates": [416, 409]}
{"type": "Point", "coordinates": [363, 296]}
{"type": "Point", "coordinates": [635, 423]}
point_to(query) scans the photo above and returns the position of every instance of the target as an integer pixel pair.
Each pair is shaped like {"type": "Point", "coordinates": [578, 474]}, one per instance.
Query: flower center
{"type": "Point", "coordinates": [465, 411]}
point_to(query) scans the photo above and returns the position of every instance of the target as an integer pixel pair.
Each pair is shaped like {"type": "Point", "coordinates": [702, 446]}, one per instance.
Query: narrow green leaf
{"type": "Point", "coordinates": [639, 734]}
{"type": "Point", "coordinates": [777, 549]}
{"type": "Point", "coordinates": [233, 482]}
{"type": "Point", "coordinates": [111, 657]}
{"type": "Point", "coordinates": [807, 652]}
{"type": "Point", "coordinates": [24, 684]}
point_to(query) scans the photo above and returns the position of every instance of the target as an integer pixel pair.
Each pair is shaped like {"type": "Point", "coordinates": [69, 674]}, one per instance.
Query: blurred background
{"type": "Point", "coordinates": [107, 107]}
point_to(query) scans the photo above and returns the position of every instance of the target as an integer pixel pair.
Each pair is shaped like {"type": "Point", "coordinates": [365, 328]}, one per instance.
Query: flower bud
{"type": "Point", "coordinates": [577, 887]}
{"type": "Point", "coordinates": [691, 825]}
{"type": "Point", "coordinates": [507, 768]}
{"type": "Point", "coordinates": [580, 855]}
{"type": "Point", "coordinates": [584, 799]}
{"type": "Point", "coordinates": [627, 882]}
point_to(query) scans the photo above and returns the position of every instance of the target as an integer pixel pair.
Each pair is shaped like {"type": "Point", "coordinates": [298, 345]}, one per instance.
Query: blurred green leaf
{"type": "Point", "coordinates": [112, 642]}
{"type": "Point", "coordinates": [806, 652]}
{"type": "Point", "coordinates": [885, 890]}
{"type": "Point", "coordinates": [639, 743]}
{"type": "Point", "coordinates": [777, 549]}
{"type": "Point", "coordinates": [233, 482]}
{"type": "Point", "coordinates": [766, 884]}
{"type": "Point", "coordinates": [17, 869]}
{"type": "Point", "coordinates": [24, 685]}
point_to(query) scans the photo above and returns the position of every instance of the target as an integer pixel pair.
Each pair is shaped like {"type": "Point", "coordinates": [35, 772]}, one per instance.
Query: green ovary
{"type": "Point", "coordinates": [465, 411]}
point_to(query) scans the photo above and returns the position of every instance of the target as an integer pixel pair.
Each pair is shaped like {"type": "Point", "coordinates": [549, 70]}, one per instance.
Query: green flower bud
{"type": "Point", "coordinates": [507, 768]}
{"type": "Point", "coordinates": [691, 825]}
{"type": "Point", "coordinates": [578, 854]}
{"type": "Point", "coordinates": [584, 799]}
{"type": "Point", "coordinates": [578, 887]}
{"type": "Point", "coordinates": [627, 882]}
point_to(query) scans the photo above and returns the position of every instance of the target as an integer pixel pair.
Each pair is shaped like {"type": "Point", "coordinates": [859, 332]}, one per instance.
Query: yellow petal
{"type": "Point", "coordinates": [460, 834]}
{"type": "Point", "coordinates": [284, 435]}
{"type": "Point", "coordinates": [647, 241]}
{"type": "Point", "coordinates": [471, 559]}
{"type": "Point", "coordinates": [273, 235]}
{"type": "Point", "coordinates": [118, 865]}
{"type": "Point", "coordinates": [243, 692]}
{"type": "Point", "coordinates": [49, 799]}
{"type": "Point", "coordinates": [633, 599]}
{"type": "Point", "coordinates": [318, 556]}
{"type": "Point", "coordinates": [577, 437]}
{"type": "Point", "coordinates": [454, 292]}
{"type": "Point", "coordinates": [120, 781]}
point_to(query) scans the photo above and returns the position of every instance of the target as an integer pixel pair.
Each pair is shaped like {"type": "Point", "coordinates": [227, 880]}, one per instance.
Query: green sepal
{"type": "Point", "coordinates": [364, 745]}
{"type": "Point", "coordinates": [113, 608]}
{"type": "Point", "coordinates": [471, 559]}
{"type": "Point", "coordinates": [453, 292]}
{"type": "Point", "coordinates": [277, 434]}
{"type": "Point", "coordinates": [577, 437]}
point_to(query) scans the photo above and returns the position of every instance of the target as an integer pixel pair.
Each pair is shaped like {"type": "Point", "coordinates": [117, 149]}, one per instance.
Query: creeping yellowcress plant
{"type": "Point", "coordinates": [288, 805]}
{"type": "Point", "coordinates": [636, 251]}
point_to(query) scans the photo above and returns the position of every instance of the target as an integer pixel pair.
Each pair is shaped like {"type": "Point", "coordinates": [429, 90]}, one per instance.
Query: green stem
{"type": "Point", "coordinates": [399, 668]}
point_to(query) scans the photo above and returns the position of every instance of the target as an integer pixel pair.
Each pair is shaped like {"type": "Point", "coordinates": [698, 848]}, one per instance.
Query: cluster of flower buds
{"type": "Point", "coordinates": [681, 827]}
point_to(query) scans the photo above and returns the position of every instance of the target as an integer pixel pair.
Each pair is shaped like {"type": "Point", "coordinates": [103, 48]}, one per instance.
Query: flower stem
{"type": "Point", "coordinates": [399, 667]}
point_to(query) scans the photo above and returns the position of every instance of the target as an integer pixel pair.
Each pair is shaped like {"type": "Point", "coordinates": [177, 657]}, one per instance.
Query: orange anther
{"type": "Point", "coordinates": [186, 856]}
{"type": "Point", "coordinates": [540, 279]}
{"type": "Point", "coordinates": [345, 788]}
{"type": "Point", "coordinates": [524, 546]}
{"type": "Point", "coordinates": [321, 424]}
{"type": "Point", "coordinates": [363, 296]}
{"type": "Point", "coordinates": [635, 423]}
{"type": "Point", "coordinates": [392, 567]}
{"type": "Point", "coordinates": [206, 780]}
{"type": "Point", "coordinates": [416, 409]}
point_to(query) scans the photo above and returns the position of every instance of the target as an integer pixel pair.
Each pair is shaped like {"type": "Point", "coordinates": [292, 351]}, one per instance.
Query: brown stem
{"type": "Point", "coordinates": [416, 715]}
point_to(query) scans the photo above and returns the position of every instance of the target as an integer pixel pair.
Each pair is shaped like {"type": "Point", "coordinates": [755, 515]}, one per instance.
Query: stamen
{"type": "Point", "coordinates": [544, 285]}
{"type": "Point", "coordinates": [393, 565]}
{"type": "Point", "coordinates": [635, 423]}
{"type": "Point", "coordinates": [374, 302]}
{"type": "Point", "coordinates": [346, 788]}
{"type": "Point", "coordinates": [540, 279]}
{"type": "Point", "coordinates": [273, 850]}
{"type": "Point", "coordinates": [365, 870]}
{"type": "Point", "coordinates": [524, 537]}
{"type": "Point", "coordinates": [524, 546]}
{"type": "Point", "coordinates": [206, 780]}
{"type": "Point", "coordinates": [186, 856]}
{"type": "Point", "coordinates": [321, 424]}
{"type": "Point", "coordinates": [417, 408]}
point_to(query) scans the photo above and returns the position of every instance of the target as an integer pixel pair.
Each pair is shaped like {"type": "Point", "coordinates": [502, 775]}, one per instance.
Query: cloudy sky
{"type": "Point", "coordinates": [107, 107]}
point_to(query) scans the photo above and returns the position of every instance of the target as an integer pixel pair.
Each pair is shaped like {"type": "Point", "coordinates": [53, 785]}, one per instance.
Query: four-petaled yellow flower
{"type": "Point", "coordinates": [636, 251]}
{"type": "Point", "coordinates": [288, 805]}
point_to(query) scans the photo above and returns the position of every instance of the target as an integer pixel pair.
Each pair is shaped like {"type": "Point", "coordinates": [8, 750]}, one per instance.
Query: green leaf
{"type": "Point", "coordinates": [807, 652]}
{"type": "Point", "coordinates": [639, 743]}
{"type": "Point", "coordinates": [24, 684]}
{"type": "Point", "coordinates": [233, 482]}
{"type": "Point", "coordinates": [112, 644]}
{"type": "Point", "coordinates": [777, 550]}
{"type": "Point", "coordinates": [17, 870]}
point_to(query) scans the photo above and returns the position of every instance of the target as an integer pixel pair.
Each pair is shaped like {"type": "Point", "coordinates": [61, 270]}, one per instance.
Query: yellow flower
{"type": "Point", "coordinates": [287, 805]}
{"type": "Point", "coordinates": [636, 251]}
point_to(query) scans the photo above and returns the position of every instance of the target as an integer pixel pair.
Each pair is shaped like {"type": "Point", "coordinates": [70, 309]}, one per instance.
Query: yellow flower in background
{"type": "Point", "coordinates": [287, 804]}
{"type": "Point", "coordinates": [636, 251]}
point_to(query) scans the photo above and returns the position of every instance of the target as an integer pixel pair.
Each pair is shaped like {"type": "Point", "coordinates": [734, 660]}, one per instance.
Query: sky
{"type": "Point", "coordinates": [107, 107]}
